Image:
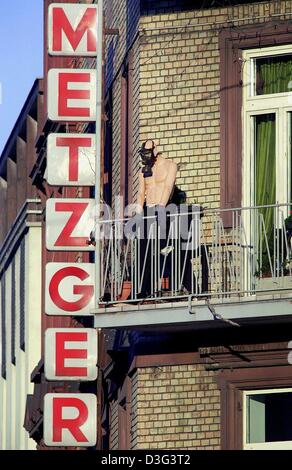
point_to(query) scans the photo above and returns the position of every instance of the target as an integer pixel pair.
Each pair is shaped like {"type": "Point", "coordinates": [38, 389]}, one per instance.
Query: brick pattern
{"type": "Point", "coordinates": [180, 89]}
{"type": "Point", "coordinates": [116, 130]}
{"type": "Point", "coordinates": [114, 425]}
{"type": "Point", "coordinates": [176, 106]}
{"type": "Point", "coordinates": [136, 117]}
{"type": "Point", "coordinates": [134, 410]}
{"type": "Point", "coordinates": [123, 15]}
{"type": "Point", "coordinates": [176, 101]}
{"type": "Point", "coordinates": [176, 92]}
{"type": "Point", "coordinates": [175, 407]}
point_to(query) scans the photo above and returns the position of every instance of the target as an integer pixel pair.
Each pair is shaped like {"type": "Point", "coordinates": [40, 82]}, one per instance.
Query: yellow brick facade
{"type": "Point", "coordinates": [177, 102]}
{"type": "Point", "coordinates": [180, 88]}
{"type": "Point", "coordinates": [176, 407]}
{"type": "Point", "coordinates": [177, 85]}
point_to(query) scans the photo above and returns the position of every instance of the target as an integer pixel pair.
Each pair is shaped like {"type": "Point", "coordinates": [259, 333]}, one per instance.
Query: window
{"type": "Point", "coordinates": [3, 327]}
{"type": "Point", "coordinates": [267, 419]}
{"type": "Point", "coordinates": [267, 118]}
{"type": "Point", "coordinates": [13, 312]}
{"type": "Point", "coordinates": [267, 108]}
{"type": "Point", "coordinates": [22, 296]}
{"type": "Point", "coordinates": [237, 49]}
{"type": "Point", "coordinates": [127, 131]}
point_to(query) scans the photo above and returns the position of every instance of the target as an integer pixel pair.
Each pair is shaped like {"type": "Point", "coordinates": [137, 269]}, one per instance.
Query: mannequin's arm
{"type": "Point", "coordinates": [141, 193]}
{"type": "Point", "coordinates": [169, 184]}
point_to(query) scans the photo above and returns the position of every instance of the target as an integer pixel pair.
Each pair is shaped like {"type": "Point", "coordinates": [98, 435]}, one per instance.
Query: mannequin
{"type": "Point", "coordinates": [155, 189]}
{"type": "Point", "coordinates": [156, 184]}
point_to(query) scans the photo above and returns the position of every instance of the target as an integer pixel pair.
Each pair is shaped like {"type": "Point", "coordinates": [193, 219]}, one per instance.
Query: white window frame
{"type": "Point", "coordinates": [253, 105]}
{"type": "Point", "coordinates": [277, 445]}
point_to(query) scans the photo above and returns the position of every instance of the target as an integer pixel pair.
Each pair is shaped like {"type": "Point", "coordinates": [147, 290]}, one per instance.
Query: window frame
{"type": "Point", "coordinates": [126, 130]}
{"type": "Point", "coordinates": [279, 104]}
{"type": "Point", "coordinates": [277, 445]}
{"type": "Point", "coordinates": [232, 43]}
{"type": "Point", "coordinates": [3, 325]}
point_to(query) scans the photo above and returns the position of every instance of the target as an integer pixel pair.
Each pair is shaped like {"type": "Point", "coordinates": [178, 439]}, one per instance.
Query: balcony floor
{"type": "Point", "coordinates": [264, 308]}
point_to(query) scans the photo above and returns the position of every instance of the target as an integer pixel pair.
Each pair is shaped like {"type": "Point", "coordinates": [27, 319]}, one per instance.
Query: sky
{"type": "Point", "coordinates": [21, 58]}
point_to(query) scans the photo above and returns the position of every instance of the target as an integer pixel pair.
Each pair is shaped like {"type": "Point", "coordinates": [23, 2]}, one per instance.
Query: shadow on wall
{"type": "Point", "coordinates": [133, 16]}
{"type": "Point", "coordinates": [132, 21]}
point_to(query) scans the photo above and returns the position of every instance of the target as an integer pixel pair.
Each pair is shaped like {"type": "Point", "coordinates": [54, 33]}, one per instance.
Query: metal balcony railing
{"type": "Point", "coordinates": [186, 251]}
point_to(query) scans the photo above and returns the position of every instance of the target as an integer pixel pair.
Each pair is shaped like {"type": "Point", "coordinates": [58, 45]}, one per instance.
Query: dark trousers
{"type": "Point", "coordinates": [155, 231]}
{"type": "Point", "coordinates": [154, 234]}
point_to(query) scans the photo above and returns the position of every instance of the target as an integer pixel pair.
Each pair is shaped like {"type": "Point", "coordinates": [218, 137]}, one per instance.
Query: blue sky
{"type": "Point", "coordinates": [21, 57]}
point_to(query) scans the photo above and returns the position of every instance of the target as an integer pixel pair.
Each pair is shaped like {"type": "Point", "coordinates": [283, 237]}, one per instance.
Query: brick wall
{"type": "Point", "coordinates": [175, 407]}
{"type": "Point", "coordinates": [114, 425]}
{"type": "Point", "coordinates": [176, 101]}
{"type": "Point", "coordinates": [123, 15]}
{"type": "Point", "coordinates": [180, 89]}
{"type": "Point", "coordinates": [176, 94]}
{"type": "Point", "coordinates": [135, 416]}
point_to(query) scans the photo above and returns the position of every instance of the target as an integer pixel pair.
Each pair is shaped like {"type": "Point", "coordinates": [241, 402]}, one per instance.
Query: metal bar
{"type": "Point", "coordinates": [166, 256]}
{"type": "Point", "coordinates": [98, 133]}
{"type": "Point", "coordinates": [138, 262]}
{"type": "Point", "coordinates": [149, 242]}
{"type": "Point", "coordinates": [267, 244]}
{"type": "Point", "coordinates": [230, 258]}
{"type": "Point", "coordinates": [124, 267]}
{"type": "Point", "coordinates": [211, 294]}
{"type": "Point", "coordinates": [202, 275]}
{"type": "Point", "coordinates": [182, 272]}
{"type": "Point", "coordinates": [171, 231]}
{"type": "Point", "coordinates": [107, 267]}
{"type": "Point", "coordinates": [133, 267]}
{"type": "Point", "coordinates": [212, 211]}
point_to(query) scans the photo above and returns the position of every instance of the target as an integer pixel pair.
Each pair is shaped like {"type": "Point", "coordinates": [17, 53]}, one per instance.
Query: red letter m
{"type": "Point", "coordinates": [87, 25]}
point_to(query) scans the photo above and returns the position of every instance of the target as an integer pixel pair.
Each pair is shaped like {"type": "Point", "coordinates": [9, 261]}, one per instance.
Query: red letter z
{"type": "Point", "coordinates": [77, 209]}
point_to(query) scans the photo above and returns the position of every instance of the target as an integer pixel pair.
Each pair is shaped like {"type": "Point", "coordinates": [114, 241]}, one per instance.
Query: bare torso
{"type": "Point", "coordinates": [157, 189]}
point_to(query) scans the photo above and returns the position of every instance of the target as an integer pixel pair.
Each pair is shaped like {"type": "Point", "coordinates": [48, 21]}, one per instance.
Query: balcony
{"type": "Point", "coordinates": [190, 260]}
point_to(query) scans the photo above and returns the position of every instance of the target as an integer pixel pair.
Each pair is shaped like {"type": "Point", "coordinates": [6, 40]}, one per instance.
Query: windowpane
{"type": "Point", "coordinates": [265, 159]}
{"type": "Point", "coordinates": [3, 327]}
{"type": "Point", "coordinates": [22, 295]}
{"type": "Point", "coordinates": [265, 165]}
{"type": "Point", "coordinates": [256, 419]}
{"type": "Point", "coordinates": [273, 75]}
{"type": "Point", "coordinates": [265, 186]}
{"type": "Point", "coordinates": [13, 312]}
{"type": "Point", "coordinates": [269, 417]}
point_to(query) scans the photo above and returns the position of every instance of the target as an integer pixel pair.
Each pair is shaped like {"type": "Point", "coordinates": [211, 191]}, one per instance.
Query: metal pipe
{"type": "Point", "coordinates": [206, 211]}
{"type": "Point", "coordinates": [98, 134]}
{"type": "Point", "coordinates": [241, 365]}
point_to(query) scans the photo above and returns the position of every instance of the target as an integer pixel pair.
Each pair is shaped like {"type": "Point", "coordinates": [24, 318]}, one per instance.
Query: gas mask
{"type": "Point", "coordinates": [147, 159]}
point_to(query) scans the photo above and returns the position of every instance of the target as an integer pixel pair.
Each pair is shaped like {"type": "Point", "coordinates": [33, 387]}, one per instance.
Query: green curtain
{"type": "Point", "coordinates": [265, 169]}
{"type": "Point", "coordinates": [273, 76]}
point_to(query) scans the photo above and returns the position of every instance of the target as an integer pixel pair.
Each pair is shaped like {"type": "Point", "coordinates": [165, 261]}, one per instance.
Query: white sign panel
{"type": "Point", "coordinates": [72, 29]}
{"type": "Point", "coordinates": [72, 95]}
{"type": "Point", "coordinates": [70, 419]}
{"type": "Point", "coordinates": [69, 289]}
{"type": "Point", "coordinates": [71, 159]}
{"type": "Point", "coordinates": [69, 223]}
{"type": "Point", "coordinates": [71, 354]}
